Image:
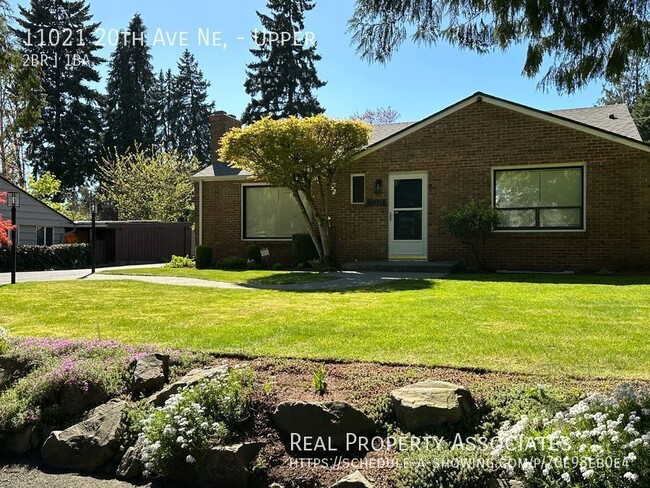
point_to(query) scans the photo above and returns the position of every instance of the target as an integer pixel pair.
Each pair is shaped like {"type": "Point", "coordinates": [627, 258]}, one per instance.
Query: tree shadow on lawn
{"type": "Point", "coordinates": [560, 279]}
{"type": "Point", "coordinates": [390, 285]}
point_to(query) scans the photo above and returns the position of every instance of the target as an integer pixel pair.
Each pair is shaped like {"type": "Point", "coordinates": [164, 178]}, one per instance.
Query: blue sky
{"type": "Point", "coordinates": [417, 82]}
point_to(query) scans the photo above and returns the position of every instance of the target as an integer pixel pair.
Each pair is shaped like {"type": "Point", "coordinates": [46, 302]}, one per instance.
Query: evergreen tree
{"type": "Point", "coordinates": [130, 111]}
{"type": "Point", "coordinates": [190, 110]}
{"type": "Point", "coordinates": [283, 80]}
{"type": "Point", "coordinates": [66, 140]}
{"type": "Point", "coordinates": [641, 113]}
{"type": "Point", "coordinates": [162, 98]}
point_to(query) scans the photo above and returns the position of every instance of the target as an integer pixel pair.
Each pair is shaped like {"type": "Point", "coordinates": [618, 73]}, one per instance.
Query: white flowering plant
{"type": "Point", "coordinates": [4, 335]}
{"type": "Point", "coordinates": [601, 441]}
{"type": "Point", "coordinates": [197, 418]}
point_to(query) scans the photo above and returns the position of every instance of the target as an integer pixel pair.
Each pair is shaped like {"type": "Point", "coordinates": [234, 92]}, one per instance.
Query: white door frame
{"type": "Point", "coordinates": [421, 252]}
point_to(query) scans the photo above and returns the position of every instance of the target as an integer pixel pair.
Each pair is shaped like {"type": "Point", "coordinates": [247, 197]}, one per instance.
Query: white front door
{"type": "Point", "coordinates": [407, 216]}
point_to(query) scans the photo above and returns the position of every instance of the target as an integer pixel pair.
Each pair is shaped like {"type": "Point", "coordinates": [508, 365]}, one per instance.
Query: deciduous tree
{"type": "Point", "coordinates": [5, 226]}
{"type": "Point", "coordinates": [381, 115]}
{"type": "Point", "coordinates": [302, 155]}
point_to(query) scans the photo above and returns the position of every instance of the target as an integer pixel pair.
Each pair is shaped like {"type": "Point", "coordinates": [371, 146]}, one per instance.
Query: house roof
{"type": "Point", "coordinates": [23, 192]}
{"type": "Point", "coordinates": [612, 122]}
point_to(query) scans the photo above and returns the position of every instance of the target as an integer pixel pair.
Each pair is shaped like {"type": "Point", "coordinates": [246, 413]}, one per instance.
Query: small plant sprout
{"type": "Point", "coordinates": [320, 380]}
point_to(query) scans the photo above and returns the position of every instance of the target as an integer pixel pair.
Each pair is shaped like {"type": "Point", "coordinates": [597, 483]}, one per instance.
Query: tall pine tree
{"type": "Point", "coordinates": [162, 99]}
{"type": "Point", "coordinates": [66, 141]}
{"type": "Point", "coordinates": [190, 110]}
{"type": "Point", "coordinates": [130, 113]}
{"type": "Point", "coordinates": [283, 80]}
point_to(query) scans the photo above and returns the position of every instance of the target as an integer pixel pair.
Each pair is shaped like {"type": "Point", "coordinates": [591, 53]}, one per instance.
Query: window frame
{"type": "Point", "coordinates": [352, 177]}
{"type": "Point", "coordinates": [45, 228]}
{"type": "Point", "coordinates": [540, 167]}
{"type": "Point", "coordinates": [242, 207]}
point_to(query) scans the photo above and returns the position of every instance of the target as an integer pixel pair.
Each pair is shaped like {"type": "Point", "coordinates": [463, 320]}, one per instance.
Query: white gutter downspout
{"type": "Point", "coordinates": [200, 212]}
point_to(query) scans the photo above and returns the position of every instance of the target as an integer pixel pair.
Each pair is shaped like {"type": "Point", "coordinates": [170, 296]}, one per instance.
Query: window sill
{"type": "Point", "coordinates": [537, 231]}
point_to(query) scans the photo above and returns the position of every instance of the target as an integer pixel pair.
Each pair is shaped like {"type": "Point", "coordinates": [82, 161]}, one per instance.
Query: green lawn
{"type": "Point", "coordinates": [259, 277]}
{"type": "Point", "coordinates": [556, 325]}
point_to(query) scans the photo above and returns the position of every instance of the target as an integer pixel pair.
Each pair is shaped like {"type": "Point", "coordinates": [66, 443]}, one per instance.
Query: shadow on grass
{"type": "Point", "coordinates": [390, 285]}
{"type": "Point", "coordinates": [560, 279]}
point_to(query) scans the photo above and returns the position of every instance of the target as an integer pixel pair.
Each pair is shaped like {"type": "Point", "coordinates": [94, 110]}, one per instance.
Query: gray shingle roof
{"type": "Point", "coordinates": [612, 118]}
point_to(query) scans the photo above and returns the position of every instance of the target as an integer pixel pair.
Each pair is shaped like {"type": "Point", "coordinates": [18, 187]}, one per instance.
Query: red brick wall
{"type": "Point", "coordinates": [458, 153]}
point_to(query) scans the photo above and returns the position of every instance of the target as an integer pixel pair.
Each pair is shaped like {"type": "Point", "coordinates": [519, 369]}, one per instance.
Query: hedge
{"type": "Point", "coordinates": [303, 249]}
{"type": "Point", "coordinates": [41, 258]}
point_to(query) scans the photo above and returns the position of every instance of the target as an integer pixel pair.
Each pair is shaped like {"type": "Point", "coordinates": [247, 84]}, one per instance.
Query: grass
{"type": "Point", "coordinates": [258, 277]}
{"type": "Point", "coordinates": [555, 325]}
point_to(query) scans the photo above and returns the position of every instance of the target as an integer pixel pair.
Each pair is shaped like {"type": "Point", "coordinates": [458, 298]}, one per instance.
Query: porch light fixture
{"type": "Point", "coordinates": [379, 186]}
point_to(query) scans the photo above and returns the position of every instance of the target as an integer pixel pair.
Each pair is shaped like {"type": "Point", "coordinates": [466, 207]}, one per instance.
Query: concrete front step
{"type": "Point", "coordinates": [403, 266]}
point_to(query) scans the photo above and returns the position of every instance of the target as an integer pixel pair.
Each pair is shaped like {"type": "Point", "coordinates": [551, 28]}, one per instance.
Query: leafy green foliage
{"type": "Point", "coordinates": [282, 81]}
{"type": "Point", "coordinates": [641, 113]}
{"type": "Point", "coordinates": [66, 140]}
{"type": "Point", "coordinates": [232, 262]}
{"type": "Point", "coordinates": [180, 262]}
{"type": "Point", "coordinates": [41, 258]}
{"type": "Point", "coordinates": [319, 380]}
{"type": "Point", "coordinates": [145, 186]}
{"type": "Point", "coordinates": [195, 419]}
{"type": "Point", "coordinates": [472, 223]}
{"type": "Point", "coordinates": [203, 257]}
{"type": "Point", "coordinates": [303, 249]}
{"type": "Point", "coordinates": [579, 42]}
{"type": "Point", "coordinates": [130, 116]}
{"type": "Point", "coordinates": [302, 155]}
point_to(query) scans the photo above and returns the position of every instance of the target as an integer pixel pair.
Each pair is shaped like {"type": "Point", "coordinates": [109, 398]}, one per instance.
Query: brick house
{"type": "Point", "coordinates": [572, 188]}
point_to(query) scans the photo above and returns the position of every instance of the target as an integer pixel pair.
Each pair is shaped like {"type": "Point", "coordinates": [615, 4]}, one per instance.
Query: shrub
{"type": "Point", "coordinates": [472, 223]}
{"type": "Point", "coordinates": [197, 418]}
{"type": "Point", "coordinates": [303, 249]}
{"type": "Point", "coordinates": [254, 253]}
{"type": "Point", "coordinates": [180, 262]}
{"type": "Point", "coordinates": [232, 262]}
{"type": "Point", "coordinates": [277, 266]}
{"type": "Point", "coordinates": [4, 336]}
{"type": "Point", "coordinates": [601, 441]}
{"type": "Point", "coordinates": [203, 257]}
{"type": "Point", "coordinates": [443, 466]}
{"type": "Point", "coordinates": [323, 264]}
{"type": "Point", "coordinates": [41, 258]}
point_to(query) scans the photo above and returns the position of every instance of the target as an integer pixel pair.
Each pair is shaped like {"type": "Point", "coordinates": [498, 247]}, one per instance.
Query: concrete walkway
{"type": "Point", "coordinates": [340, 280]}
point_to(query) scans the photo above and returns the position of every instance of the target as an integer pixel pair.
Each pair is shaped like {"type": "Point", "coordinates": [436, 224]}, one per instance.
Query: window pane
{"type": "Point", "coordinates": [561, 187]}
{"type": "Point", "coordinates": [271, 213]}
{"type": "Point", "coordinates": [358, 189]}
{"type": "Point", "coordinates": [408, 225]}
{"type": "Point", "coordinates": [40, 236]}
{"type": "Point", "coordinates": [49, 236]}
{"type": "Point", "coordinates": [516, 189]}
{"type": "Point", "coordinates": [408, 193]}
{"type": "Point", "coordinates": [516, 218]}
{"type": "Point", "coordinates": [560, 217]}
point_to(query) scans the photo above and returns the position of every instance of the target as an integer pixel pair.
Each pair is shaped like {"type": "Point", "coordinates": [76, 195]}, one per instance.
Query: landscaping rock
{"type": "Point", "coordinates": [74, 400]}
{"type": "Point", "coordinates": [503, 483]}
{"type": "Point", "coordinates": [228, 467]}
{"type": "Point", "coordinates": [190, 379]}
{"type": "Point", "coordinates": [150, 373]}
{"type": "Point", "coordinates": [130, 466]}
{"type": "Point", "coordinates": [428, 405]}
{"type": "Point", "coordinates": [355, 480]}
{"type": "Point", "coordinates": [328, 422]}
{"type": "Point", "coordinates": [23, 441]}
{"type": "Point", "coordinates": [87, 445]}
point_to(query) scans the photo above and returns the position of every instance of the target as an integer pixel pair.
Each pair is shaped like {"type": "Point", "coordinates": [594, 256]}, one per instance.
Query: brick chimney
{"type": "Point", "coordinates": [220, 123]}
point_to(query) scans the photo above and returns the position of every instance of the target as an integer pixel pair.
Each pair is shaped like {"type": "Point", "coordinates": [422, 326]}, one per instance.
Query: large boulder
{"type": "Point", "coordinates": [130, 466]}
{"type": "Point", "coordinates": [74, 399]}
{"type": "Point", "coordinates": [22, 441]}
{"type": "Point", "coordinates": [317, 427]}
{"type": "Point", "coordinates": [429, 405]}
{"type": "Point", "coordinates": [150, 373]}
{"type": "Point", "coordinates": [355, 480]}
{"type": "Point", "coordinates": [228, 466]}
{"type": "Point", "coordinates": [89, 444]}
{"type": "Point", "coordinates": [190, 379]}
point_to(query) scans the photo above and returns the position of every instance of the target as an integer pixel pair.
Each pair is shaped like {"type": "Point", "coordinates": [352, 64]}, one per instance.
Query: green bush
{"type": "Point", "coordinates": [325, 263]}
{"type": "Point", "coordinates": [203, 257]}
{"type": "Point", "coordinates": [254, 253]}
{"type": "Point", "coordinates": [472, 223]}
{"type": "Point", "coordinates": [196, 419]}
{"type": "Point", "coordinates": [277, 266]}
{"type": "Point", "coordinates": [180, 262]}
{"type": "Point", "coordinates": [303, 249]}
{"type": "Point", "coordinates": [41, 258]}
{"type": "Point", "coordinates": [232, 262]}
{"type": "Point", "coordinates": [605, 439]}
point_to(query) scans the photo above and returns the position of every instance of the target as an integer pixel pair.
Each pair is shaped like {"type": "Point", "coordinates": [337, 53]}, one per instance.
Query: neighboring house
{"type": "Point", "coordinates": [572, 188]}
{"type": "Point", "coordinates": [37, 223]}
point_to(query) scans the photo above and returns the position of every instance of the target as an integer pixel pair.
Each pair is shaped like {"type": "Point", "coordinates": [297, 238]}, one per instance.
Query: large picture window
{"type": "Point", "coordinates": [271, 213]}
{"type": "Point", "coordinates": [44, 236]}
{"type": "Point", "coordinates": [544, 198]}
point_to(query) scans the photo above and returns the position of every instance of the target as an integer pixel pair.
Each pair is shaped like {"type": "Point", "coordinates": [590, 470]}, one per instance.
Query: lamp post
{"type": "Point", "coordinates": [13, 201]}
{"type": "Point", "coordinates": [93, 232]}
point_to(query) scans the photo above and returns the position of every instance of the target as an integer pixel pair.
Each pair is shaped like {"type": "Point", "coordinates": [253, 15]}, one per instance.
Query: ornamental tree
{"type": "Point", "coordinates": [5, 227]}
{"type": "Point", "coordinates": [302, 155]}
